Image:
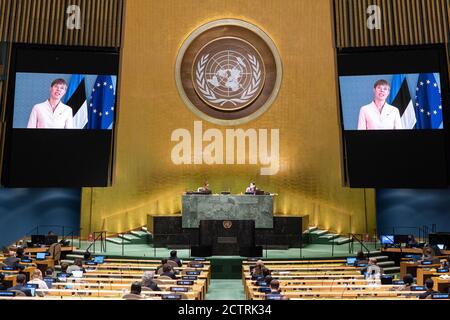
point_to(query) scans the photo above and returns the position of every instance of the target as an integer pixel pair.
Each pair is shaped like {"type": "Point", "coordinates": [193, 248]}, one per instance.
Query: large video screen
{"type": "Point", "coordinates": [391, 102]}
{"type": "Point", "coordinates": [64, 101]}
{"type": "Point", "coordinates": [60, 116]}
{"type": "Point", "coordinates": [394, 117]}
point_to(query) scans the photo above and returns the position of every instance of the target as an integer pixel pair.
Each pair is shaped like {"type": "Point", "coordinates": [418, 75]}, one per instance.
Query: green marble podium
{"type": "Point", "coordinates": [196, 207]}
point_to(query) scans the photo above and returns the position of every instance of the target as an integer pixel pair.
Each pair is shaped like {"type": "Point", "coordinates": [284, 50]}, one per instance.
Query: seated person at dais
{"type": "Point", "coordinates": [252, 188]}
{"type": "Point", "coordinates": [205, 188]}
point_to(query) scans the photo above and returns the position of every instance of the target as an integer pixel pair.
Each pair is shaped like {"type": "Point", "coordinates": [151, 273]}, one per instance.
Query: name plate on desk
{"type": "Point", "coordinates": [226, 240]}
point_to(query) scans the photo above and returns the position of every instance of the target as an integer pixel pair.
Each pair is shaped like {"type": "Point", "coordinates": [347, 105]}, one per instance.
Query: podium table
{"type": "Point", "coordinates": [227, 237]}
{"type": "Point", "coordinates": [197, 207]}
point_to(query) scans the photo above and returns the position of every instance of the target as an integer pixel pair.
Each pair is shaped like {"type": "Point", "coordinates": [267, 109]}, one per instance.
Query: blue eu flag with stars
{"type": "Point", "coordinates": [101, 104]}
{"type": "Point", "coordinates": [428, 102]}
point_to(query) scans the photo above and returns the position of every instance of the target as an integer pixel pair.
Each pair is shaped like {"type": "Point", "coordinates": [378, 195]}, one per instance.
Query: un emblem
{"type": "Point", "coordinates": [228, 72]}
{"type": "Point", "coordinates": [227, 224]}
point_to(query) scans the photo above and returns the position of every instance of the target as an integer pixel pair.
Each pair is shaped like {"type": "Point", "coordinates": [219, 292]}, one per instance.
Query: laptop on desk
{"type": "Point", "coordinates": [40, 256]}
{"type": "Point", "coordinates": [32, 287]}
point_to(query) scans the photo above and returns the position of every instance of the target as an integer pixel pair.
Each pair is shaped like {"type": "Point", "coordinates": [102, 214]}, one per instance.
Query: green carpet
{"type": "Point", "coordinates": [225, 290]}
{"type": "Point", "coordinates": [312, 251]}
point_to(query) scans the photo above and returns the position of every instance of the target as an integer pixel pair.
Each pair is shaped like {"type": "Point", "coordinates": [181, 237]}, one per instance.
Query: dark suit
{"type": "Point", "coordinates": [169, 274]}
{"type": "Point", "coordinates": [13, 262]}
{"type": "Point", "coordinates": [177, 260]}
{"type": "Point", "coordinates": [426, 294]}
{"type": "Point", "coordinates": [20, 287]}
{"type": "Point", "coordinates": [151, 285]}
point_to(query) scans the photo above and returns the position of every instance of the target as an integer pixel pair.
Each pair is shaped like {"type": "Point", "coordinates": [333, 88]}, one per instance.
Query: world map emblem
{"type": "Point", "coordinates": [228, 72]}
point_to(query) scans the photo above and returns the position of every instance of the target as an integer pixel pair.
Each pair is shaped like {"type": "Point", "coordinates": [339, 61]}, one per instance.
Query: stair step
{"type": "Point", "coordinates": [379, 258]}
{"type": "Point", "coordinates": [129, 237]}
{"type": "Point", "coordinates": [139, 234]}
{"type": "Point", "coordinates": [74, 256]}
{"type": "Point", "coordinates": [390, 270]}
{"type": "Point", "coordinates": [118, 240]}
{"type": "Point", "coordinates": [67, 261]}
{"type": "Point", "coordinates": [329, 236]}
{"type": "Point", "coordinates": [341, 240]}
{"type": "Point", "coordinates": [319, 232]}
{"type": "Point", "coordinates": [385, 264]}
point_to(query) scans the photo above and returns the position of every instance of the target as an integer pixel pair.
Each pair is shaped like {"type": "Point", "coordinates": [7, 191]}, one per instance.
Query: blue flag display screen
{"type": "Point", "coordinates": [60, 117]}
{"type": "Point", "coordinates": [391, 102]}
{"type": "Point", "coordinates": [64, 101]}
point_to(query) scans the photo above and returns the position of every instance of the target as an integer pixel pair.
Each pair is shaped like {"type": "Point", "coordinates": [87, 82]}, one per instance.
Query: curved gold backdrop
{"type": "Point", "coordinates": [305, 112]}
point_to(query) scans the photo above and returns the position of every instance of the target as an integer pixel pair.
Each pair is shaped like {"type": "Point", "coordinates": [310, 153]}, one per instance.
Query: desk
{"type": "Point", "coordinates": [45, 249]}
{"type": "Point", "coordinates": [408, 267]}
{"type": "Point", "coordinates": [197, 207]}
{"type": "Point", "coordinates": [397, 254]}
{"type": "Point", "coordinates": [441, 285]}
{"type": "Point", "coordinates": [424, 274]}
{"type": "Point", "coordinates": [418, 251]}
{"type": "Point", "coordinates": [45, 264]}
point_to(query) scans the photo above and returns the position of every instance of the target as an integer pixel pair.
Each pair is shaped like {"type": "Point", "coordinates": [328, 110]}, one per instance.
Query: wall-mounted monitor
{"type": "Point", "coordinates": [394, 116]}
{"type": "Point", "coordinates": [60, 116]}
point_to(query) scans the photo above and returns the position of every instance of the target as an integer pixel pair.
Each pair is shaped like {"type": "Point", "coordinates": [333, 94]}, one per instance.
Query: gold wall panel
{"type": "Point", "coordinates": [44, 22]}
{"type": "Point", "coordinates": [306, 113]}
{"type": "Point", "coordinates": [404, 22]}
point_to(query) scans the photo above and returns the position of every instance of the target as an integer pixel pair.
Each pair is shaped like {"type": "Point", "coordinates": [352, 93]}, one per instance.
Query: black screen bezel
{"type": "Point", "coordinates": [58, 157]}
{"type": "Point", "coordinates": [395, 158]}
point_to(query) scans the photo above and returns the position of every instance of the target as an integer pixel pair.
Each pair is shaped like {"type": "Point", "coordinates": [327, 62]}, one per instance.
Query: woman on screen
{"type": "Point", "coordinates": [52, 113]}
{"type": "Point", "coordinates": [378, 115]}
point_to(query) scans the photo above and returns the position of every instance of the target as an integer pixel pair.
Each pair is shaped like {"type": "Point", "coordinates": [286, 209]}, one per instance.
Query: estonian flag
{"type": "Point", "coordinates": [76, 99]}
{"type": "Point", "coordinates": [101, 104]}
{"type": "Point", "coordinates": [428, 102]}
{"type": "Point", "coordinates": [402, 100]}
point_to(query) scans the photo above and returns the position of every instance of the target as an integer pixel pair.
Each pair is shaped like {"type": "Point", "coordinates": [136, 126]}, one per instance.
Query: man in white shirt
{"type": "Point", "coordinates": [52, 113]}
{"type": "Point", "coordinates": [378, 115]}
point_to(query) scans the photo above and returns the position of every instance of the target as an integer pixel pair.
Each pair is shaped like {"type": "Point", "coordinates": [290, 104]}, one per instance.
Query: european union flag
{"type": "Point", "coordinates": [101, 104]}
{"type": "Point", "coordinates": [428, 102]}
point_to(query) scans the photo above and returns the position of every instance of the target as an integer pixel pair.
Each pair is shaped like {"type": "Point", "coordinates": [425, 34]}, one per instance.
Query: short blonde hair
{"type": "Point", "coordinates": [381, 82]}
{"type": "Point", "coordinates": [59, 81]}
{"type": "Point", "coordinates": [37, 274]}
